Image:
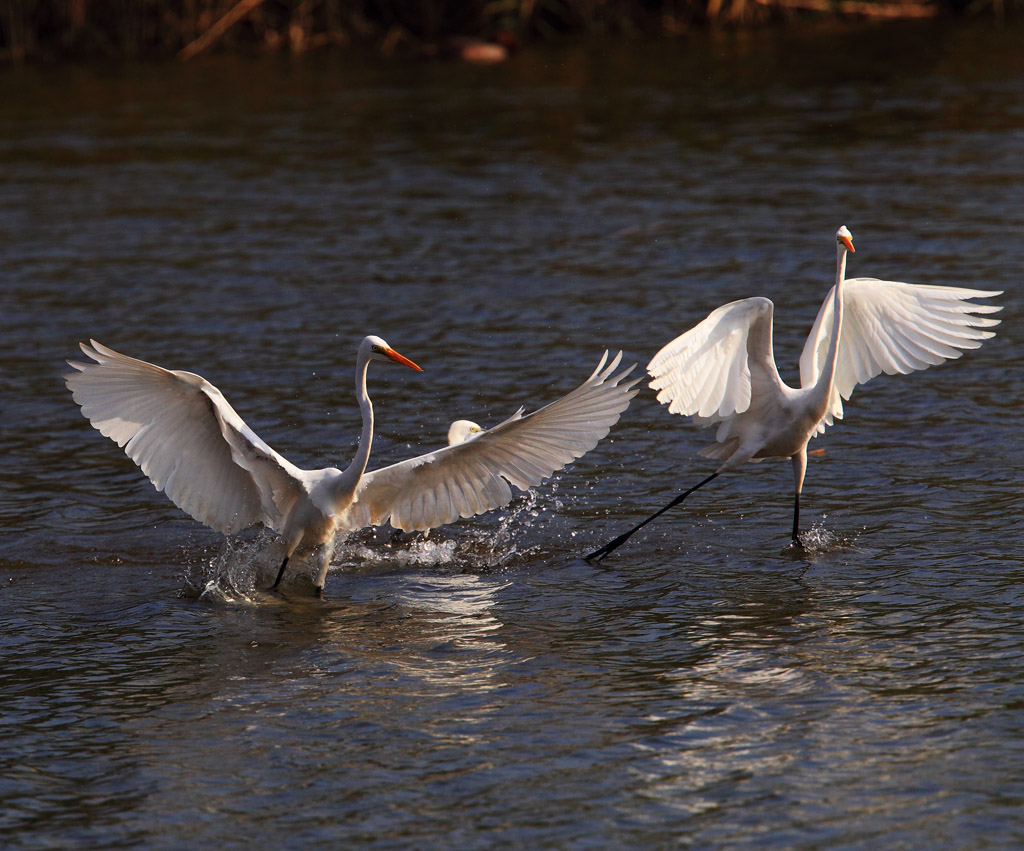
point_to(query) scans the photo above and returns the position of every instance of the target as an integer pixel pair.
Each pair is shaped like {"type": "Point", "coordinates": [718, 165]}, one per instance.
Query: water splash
{"type": "Point", "coordinates": [468, 546]}
{"type": "Point", "coordinates": [234, 573]}
{"type": "Point", "coordinates": [819, 539]}
{"type": "Point", "coordinates": [239, 571]}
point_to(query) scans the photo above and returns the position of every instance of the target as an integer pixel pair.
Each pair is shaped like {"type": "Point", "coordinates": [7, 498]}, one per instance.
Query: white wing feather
{"type": "Point", "coordinates": [892, 327]}
{"type": "Point", "coordinates": [473, 477]}
{"type": "Point", "coordinates": [186, 438]}
{"type": "Point", "coordinates": [710, 371]}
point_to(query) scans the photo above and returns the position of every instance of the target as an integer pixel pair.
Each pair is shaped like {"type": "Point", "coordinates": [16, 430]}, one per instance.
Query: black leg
{"type": "Point", "coordinates": [280, 573]}
{"type": "Point", "coordinates": [796, 518]}
{"type": "Point", "coordinates": [614, 544]}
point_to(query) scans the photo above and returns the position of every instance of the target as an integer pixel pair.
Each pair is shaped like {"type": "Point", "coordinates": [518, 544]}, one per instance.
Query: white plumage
{"type": "Point", "coordinates": [462, 430]}
{"type": "Point", "coordinates": [722, 371]}
{"type": "Point", "coordinates": [192, 445]}
{"type": "Point", "coordinates": [475, 475]}
{"type": "Point", "coordinates": [893, 328]}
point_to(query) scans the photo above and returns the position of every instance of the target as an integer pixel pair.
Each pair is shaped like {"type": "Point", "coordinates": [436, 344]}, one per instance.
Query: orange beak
{"type": "Point", "coordinates": [848, 243]}
{"type": "Point", "coordinates": [402, 359]}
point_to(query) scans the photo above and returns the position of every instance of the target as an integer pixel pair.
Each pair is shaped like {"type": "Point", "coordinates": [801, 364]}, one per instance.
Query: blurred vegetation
{"type": "Point", "coordinates": [474, 30]}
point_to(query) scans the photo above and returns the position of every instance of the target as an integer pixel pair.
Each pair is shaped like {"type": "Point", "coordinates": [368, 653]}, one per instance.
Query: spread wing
{"type": "Point", "coordinates": [475, 476]}
{"type": "Point", "coordinates": [711, 371]}
{"type": "Point", "coordinates": [187, 439]}
{"type": "Point", "coordinates": [892, 327]}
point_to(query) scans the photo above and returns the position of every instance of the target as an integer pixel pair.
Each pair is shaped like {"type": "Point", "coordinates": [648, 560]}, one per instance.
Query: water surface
{"type": "Point", "coordinates": [707, 686]}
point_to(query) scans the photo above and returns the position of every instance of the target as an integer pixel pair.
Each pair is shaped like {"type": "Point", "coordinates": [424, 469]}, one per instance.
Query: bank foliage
{"type": "Point", "coordinates": [34, 30]}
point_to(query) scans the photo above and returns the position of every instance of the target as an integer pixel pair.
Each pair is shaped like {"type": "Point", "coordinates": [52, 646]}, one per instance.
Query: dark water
{"type": "Point", "coordinates": [485, 687]}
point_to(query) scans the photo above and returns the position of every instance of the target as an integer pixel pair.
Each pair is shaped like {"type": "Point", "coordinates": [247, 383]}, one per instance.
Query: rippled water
{"type": "Point", "coordinates": [706, 686]}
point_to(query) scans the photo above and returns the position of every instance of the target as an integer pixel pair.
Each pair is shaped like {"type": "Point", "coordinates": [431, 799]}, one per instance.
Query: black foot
{"type": "Point", "coordinates": [614, 544]}
{"type": "Point", "coordinates": [280, 574]}
{"type": "Point", "coordinates": [605, 551]}
{"type": "Point", "coordinates": [319, 591]}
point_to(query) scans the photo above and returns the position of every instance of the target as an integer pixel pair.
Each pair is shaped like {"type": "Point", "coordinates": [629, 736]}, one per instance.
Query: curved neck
{"type": "Point", "coordinates": [341, 487]}
{"type": "Point", "coordinates": [358, 464]}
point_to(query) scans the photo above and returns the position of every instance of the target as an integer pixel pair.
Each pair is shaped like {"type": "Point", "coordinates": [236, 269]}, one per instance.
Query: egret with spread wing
{"type": "Point", "coordinates": [723, 370]}
{"type": "Point", "coordinates": [192, 445]}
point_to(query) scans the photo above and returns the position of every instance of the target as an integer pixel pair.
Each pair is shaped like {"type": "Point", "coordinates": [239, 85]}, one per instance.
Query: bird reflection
{"type": "Point", "coordinates": [445, 624]}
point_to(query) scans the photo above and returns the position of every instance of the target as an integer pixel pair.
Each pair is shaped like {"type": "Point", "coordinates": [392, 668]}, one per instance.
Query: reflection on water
{"type": "Point", "coordinates": [482, 685]}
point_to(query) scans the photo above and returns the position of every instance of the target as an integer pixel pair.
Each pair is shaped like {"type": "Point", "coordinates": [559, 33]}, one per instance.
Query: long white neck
{"type": "Point", "coordinates": [344, 486]}
{"type": "Point", "coordinates": [358, 465]}
{"type": "Point", "coordinates": [827, 376]}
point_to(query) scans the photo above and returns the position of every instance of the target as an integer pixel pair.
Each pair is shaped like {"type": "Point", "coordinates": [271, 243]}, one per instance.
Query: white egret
{"type": "Point", "coordinates": [192, 445]}
{"type": "Point", "coordinates": [723, 370]}
{"type": "Point", "coordinates": [462, 430]}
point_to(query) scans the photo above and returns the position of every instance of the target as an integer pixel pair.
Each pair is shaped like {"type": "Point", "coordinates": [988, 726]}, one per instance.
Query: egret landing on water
{"type": "Point", "coordinates": [192, 445]}
{"type": "Point", "coordinates": [723, 370]}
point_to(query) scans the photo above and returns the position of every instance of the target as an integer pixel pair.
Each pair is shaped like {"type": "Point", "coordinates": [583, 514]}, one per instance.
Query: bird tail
{"type": "Point", "coordinates": [722, 450]}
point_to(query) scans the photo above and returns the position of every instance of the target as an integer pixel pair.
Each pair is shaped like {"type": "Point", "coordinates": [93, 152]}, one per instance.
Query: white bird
{"type": "Point", "coordinates": [723, 370]}
{"type": "Point", "coordinates": [192, 445]}
{"type": "Point", "coordinates": [462, 430]}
